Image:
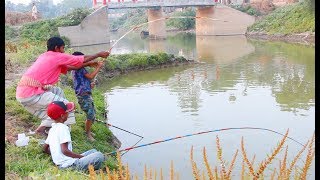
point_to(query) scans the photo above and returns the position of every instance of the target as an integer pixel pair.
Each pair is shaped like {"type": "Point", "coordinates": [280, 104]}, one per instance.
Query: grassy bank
{"type": "Point", "coordinates": [30, 160]}
{"type": "Point", "coordinates": [290, 19]}
{"type": "Point", "coordinates": [20, 160]}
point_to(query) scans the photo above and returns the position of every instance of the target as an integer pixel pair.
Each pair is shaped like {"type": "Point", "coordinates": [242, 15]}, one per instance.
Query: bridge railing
{"type": "Point", "coordinates": [167, 3]}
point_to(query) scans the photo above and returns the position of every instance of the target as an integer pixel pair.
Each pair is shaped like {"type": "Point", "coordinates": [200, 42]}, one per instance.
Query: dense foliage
{"type": "Point", "coordinates": [10, 33]}
{"type": "Point", "coordinates": [247, 9]}
{"type": "Point", "coordinates": [295, 18]}
{"type": "Point", "coordinates": [183, 23]}
{"type": "Point", "coordinates": [44, 29]}
{"type": "Point", "coordinates": [130, 19]}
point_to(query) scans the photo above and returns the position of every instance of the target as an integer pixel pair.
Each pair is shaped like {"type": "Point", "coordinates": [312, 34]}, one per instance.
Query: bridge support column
{"type": "Point", "coordinates": [205, 26]}
{"type": "Point", "coordinates": [157, 29]}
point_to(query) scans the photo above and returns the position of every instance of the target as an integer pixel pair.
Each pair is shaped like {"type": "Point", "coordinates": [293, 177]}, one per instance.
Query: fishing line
{"type": "Point", "coordinates": [203, 132]}
{"type": "Point", "coordinates": [141, 137]}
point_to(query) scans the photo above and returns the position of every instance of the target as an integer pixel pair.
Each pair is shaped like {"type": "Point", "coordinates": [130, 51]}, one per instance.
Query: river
{"type": "Point", "coordinates": [239, 82]}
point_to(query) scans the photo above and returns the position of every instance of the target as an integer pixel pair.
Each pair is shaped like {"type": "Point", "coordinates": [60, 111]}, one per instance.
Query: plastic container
{"type": "Point", "coordinates": [22, 140]}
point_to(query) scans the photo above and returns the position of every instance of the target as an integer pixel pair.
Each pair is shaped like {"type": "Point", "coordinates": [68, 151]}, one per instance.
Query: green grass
{"type": "Point", "coordinates": [139, 60]}
{"type": "Point", "coordinates": [31, 161]}
{"type": "Point", "coordinates": [295, 18]}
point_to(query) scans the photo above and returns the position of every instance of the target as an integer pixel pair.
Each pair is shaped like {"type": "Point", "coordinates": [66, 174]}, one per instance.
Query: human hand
{"type": "Point", "coordinates": [104, 54]}
{"type": "Point", "coordinates": [100, 64]}
{"type": "Point", "coordinates": [92, 84]}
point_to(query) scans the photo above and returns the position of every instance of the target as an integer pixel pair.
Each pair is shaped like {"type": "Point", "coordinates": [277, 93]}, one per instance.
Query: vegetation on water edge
{"type": "Point", "coordinates": [290, 19]}
{"type": "Point", "coordinates": [140, 60]}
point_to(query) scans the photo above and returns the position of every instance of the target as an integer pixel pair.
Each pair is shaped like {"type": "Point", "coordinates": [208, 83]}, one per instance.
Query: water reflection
{"type": "Point", "coordinates": [230, 62]}
{"type": "Point", "coordinates": [265, 84]}
{"type": "Point", "coordinates": [222, 49]}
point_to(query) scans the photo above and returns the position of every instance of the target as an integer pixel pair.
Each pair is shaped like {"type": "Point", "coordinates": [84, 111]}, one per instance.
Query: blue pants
{"type": "Point", "coordinates": [92, 157]}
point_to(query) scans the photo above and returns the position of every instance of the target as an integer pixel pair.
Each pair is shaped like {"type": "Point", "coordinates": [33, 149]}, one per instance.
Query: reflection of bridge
{"type": "Point", "coordinates": [217, 20]}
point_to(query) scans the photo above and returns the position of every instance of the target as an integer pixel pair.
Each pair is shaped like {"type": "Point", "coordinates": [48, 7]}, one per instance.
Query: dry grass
{"type": "Point", "coordinates": [284, 170]}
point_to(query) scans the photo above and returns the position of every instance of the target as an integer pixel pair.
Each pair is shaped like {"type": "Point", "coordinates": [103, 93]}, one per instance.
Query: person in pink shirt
{"type": "Point", "coordinates": [36, 90]}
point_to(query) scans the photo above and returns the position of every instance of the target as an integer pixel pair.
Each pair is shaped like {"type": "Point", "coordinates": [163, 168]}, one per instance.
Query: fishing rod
{"type": "Point", "coordinates": [165, 18]}
{"type": "Point", "coordinates": [203, 132]}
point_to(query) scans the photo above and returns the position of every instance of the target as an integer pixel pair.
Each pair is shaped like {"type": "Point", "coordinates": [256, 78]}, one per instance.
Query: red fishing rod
{"type": "Point", "coordinates": [203, 132]}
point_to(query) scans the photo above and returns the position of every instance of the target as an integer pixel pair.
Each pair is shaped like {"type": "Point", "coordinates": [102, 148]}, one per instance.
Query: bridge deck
{"type": "Point", "coordinates": [161, 3]}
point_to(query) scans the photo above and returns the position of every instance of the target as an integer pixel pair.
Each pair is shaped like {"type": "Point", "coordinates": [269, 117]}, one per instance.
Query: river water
{"type": "Point", "coordinates": [238, 82]}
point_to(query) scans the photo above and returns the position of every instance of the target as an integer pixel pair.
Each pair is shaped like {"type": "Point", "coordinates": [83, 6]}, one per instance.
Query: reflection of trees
{"type": "Point", "coordinates": [187, 85]}
{"type": "Point", "coordinates": [293, 75]}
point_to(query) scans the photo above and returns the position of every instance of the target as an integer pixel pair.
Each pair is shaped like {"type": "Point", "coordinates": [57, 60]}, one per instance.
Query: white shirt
{"type": "Point", "coordinates": [34, 10]}
{"type": "Point", "coordinates": [58, 134]}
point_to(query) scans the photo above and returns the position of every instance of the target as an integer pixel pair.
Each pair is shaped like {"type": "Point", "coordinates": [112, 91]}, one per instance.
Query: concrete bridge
{"type": "Point", "coordinates": [94, 28]}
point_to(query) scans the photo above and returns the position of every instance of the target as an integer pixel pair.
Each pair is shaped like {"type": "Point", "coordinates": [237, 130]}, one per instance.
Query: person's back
{"type": "Point", "coordinates": [81, 84]}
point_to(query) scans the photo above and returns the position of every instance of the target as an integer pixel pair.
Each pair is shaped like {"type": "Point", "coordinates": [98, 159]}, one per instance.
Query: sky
{"type": "Point", "coordinates": [28, 1]}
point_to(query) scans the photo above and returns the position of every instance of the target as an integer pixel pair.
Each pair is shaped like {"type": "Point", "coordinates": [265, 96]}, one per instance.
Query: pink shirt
{"type": "Point", "coordinates": [47, 69]}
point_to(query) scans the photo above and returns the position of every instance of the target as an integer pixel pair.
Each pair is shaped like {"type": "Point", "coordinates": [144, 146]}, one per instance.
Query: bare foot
{"type": "Point", "coordinates": [90, 138]}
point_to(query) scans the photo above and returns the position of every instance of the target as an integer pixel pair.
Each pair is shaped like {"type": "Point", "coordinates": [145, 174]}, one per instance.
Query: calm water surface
{"type": "Point", "coordinates": [238, 83]}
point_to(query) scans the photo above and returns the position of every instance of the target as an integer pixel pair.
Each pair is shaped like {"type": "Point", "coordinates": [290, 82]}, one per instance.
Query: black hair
{"type": "Point", "coordinates": [53, 42]}
{"type": "Point", "coordinates": [77, 53]}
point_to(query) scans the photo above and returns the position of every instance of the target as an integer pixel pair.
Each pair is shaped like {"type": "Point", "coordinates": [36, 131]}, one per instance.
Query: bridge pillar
{"type": "Point", "coordinates": [157, 29]}
{"type": "Point", "coordinates": [205, 26]}
{"type": "Point", "coordinates": [92, 30]}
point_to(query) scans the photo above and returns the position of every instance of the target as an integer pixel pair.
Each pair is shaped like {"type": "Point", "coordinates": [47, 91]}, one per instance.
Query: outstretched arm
{"type": "Point", "coordinates": [103, 54]}
{"type": "Point", "coordinates": [83, 65]}
{"type": "Point", "coordinates": [67, 152]}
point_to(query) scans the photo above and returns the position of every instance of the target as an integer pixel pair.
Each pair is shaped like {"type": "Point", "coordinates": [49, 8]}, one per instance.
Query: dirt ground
{"type": "Point", "coordinates": [13, 125]}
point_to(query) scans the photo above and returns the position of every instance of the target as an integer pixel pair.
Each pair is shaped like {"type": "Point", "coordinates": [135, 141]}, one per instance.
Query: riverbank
{"type": "Point", "coordinates": [18, 120]}
{"type": "Point", "coordinates": [293, 23]}
{"type": "Point", "coordinates": [301, 38]}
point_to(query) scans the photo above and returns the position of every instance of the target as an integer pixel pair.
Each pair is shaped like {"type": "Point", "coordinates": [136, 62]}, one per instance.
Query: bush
{"type": "Point", "coordinates": [43, 30]}
{"type": "Point", "coordinates": [185, 23]}
{"type": "Point", "coordinates": [289, 19]}
{"type": "Point", "coordinates": [10, 33]}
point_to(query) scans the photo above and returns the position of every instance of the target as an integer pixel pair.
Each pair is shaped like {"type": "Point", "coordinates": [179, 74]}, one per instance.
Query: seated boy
{"type": "Point", "coordinates": [82, 85]}
{"type": "Point", "coordinates": [59, 145]}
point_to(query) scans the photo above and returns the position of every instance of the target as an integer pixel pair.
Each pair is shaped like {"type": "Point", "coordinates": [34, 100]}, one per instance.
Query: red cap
{"type": "Point", "coordinates": [58, 108]}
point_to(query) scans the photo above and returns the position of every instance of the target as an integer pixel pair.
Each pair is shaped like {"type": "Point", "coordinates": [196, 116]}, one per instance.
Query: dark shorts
{"type": "Point", "coordinates": [86, 104]}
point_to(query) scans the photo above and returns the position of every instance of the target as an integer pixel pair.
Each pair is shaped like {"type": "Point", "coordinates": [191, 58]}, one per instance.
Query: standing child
{"type": "Point", "coordinates": [59, 144]}
{"type": "Point", "coordinates": [82, 85]}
